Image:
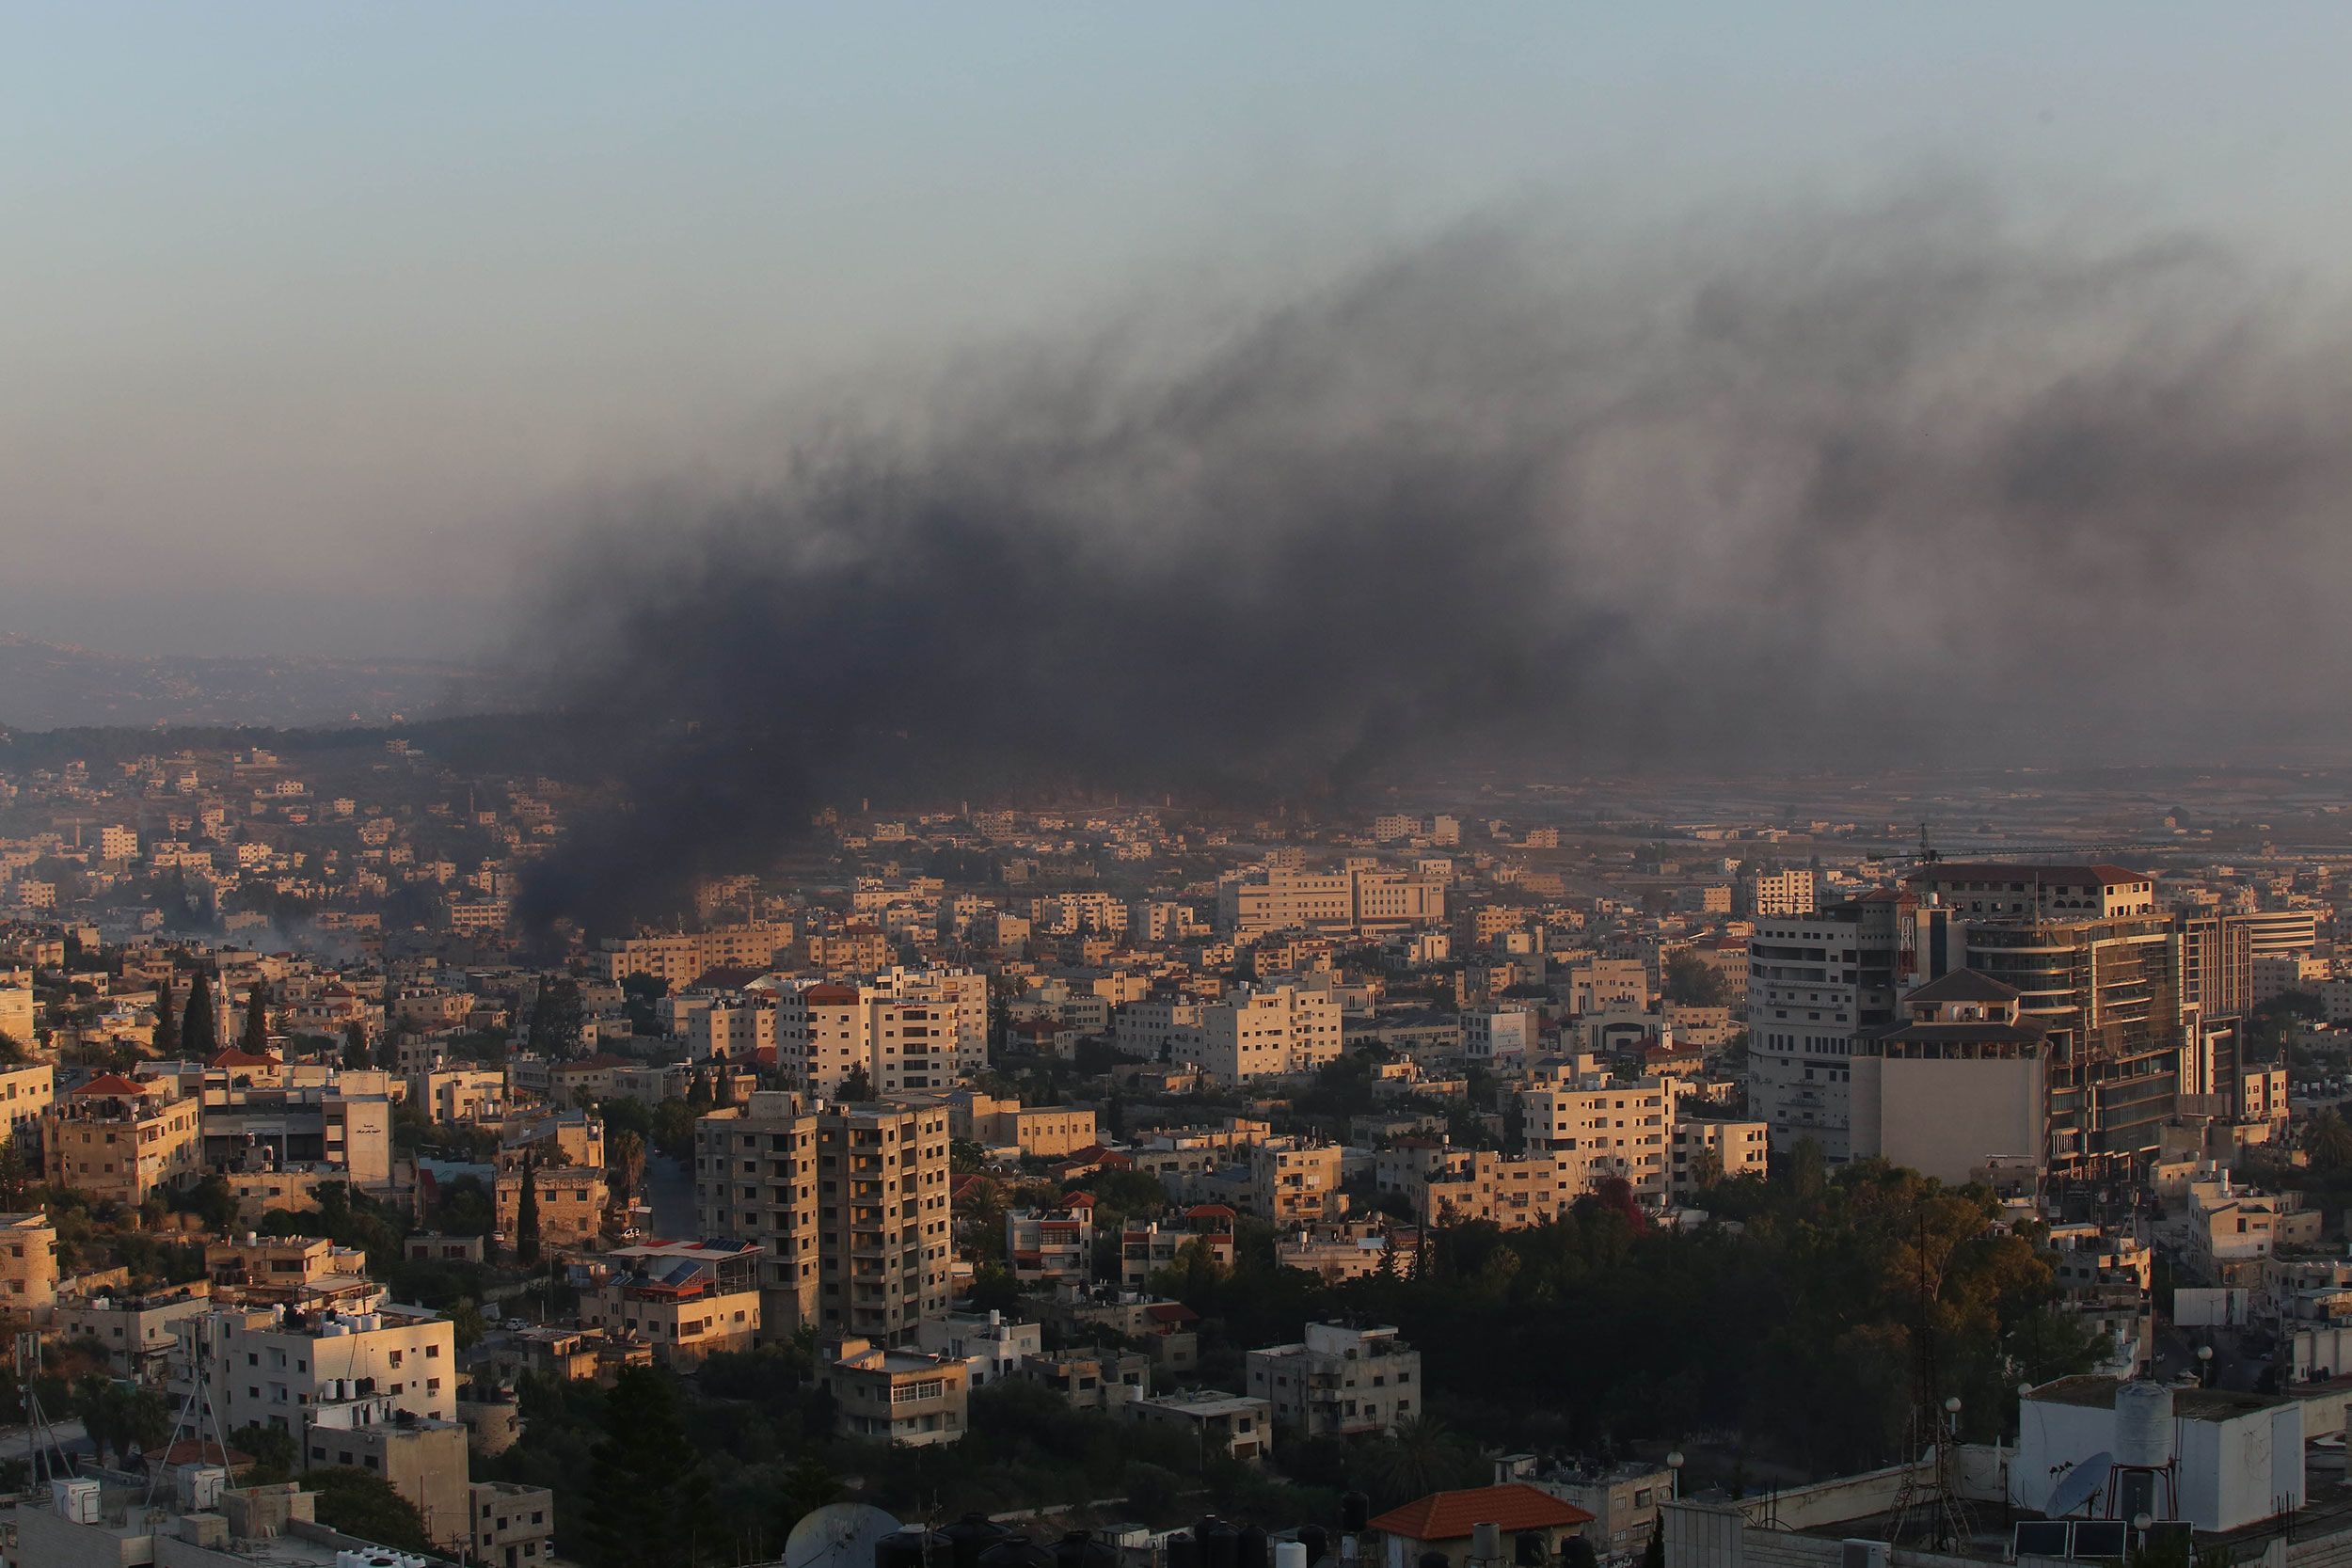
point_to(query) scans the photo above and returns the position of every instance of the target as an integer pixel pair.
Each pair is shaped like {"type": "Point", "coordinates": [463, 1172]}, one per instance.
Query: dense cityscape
{"type": "Point", "coordinates": [1504, 1155]}
{"type": "Point", "coordinates": [1326, 785]}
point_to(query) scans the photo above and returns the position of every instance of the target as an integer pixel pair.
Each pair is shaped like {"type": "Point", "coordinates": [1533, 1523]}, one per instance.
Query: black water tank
{"type": "Point", "coordinates": [901, 1549]}
{"type": "Point", "coordinates": [1253, 1547]}
{"type": "Point", "coordinates": [1182, 1552]}
{"type": "Point", "coordinates": [1576, 1552]}
{"type": "Point", "coordinates": [1220, 1542]}
{"type": "Point", "coordinates": [1317, 1541]}
{"type": "Point", "coordinates": [1016, 1551]}
{"type": "Point", "coordinates": [1080, 1549]}
{"type": "Point", "coordinates": [1354, 1512]}
{"type": "Point", "coordinates": [1433, 1560]}
{"type": "Point", "coordinates": [968, 1537]}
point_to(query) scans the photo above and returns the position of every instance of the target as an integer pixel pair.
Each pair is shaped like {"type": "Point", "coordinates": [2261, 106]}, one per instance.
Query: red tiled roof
{"type": "Point", "coordinates": [232, 1057]}
{"type": "Point", "coordinates": [828, 995]}
{"type": "Point", "coordinates": [1170, 1313]}
{"type": "Point", "coordinates": [1449, 1515]}
{"type": "Point", "coordinates": [1078, 1200]}
{"type": "Point", "coordinates": [111, 1083]}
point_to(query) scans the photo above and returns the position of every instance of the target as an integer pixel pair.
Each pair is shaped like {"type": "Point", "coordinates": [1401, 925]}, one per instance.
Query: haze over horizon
{"type": "Point", "coordinates": [340, 318]}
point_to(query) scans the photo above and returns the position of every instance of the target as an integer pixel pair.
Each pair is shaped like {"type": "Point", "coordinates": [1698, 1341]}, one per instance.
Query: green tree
{"type": "Point", "coordinates": [199, 1034]}
{"type": "Point", "coordinates": [256, 1041]}
{"type": "Point", "coordinates": [627, 1162]}
{"type": "Point", "coordinates": [357, 1056]}
{"type": "Point", "coordinates": [273, 1451]}
{"type": "Point", "coordinates": [2329, 1141]}
{"type": "Point", "coordinates": [527, 1216]}
{"type": "Point", "coordinates": [121, 1415]}
{"type": "Point", "coordinates": [365, 1505]}
{"type": "Point", "coordinates": [1690, 981]}
{"type": "Point", "coordinates": [647, 1490]}
{"type": "Point", "coordinates": [166, 1040]}
{"type": "Point", "coordinates": [858, 1087]}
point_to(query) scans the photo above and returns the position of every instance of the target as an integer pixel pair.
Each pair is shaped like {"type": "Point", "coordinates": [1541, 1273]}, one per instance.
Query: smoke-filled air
{"type": "Point", "coordinates": [1761, 491]}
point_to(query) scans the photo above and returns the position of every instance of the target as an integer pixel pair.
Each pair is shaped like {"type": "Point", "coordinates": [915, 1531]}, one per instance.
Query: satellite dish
{"type": "Point", "coordinates": [2075, 1488]}
{"type": "Point", "coordinates": [841, 1535]}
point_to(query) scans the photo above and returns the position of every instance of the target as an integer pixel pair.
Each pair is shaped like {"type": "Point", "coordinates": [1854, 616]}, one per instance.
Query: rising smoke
{"type": "Point", "coordinates": [1891, 482]}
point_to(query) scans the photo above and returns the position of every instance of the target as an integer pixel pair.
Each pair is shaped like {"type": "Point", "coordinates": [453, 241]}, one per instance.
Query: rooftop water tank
{"type": "Point", "coordinates": [2143, 1425]}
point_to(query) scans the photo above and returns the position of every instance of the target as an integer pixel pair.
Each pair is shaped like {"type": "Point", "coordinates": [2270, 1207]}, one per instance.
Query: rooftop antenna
{"type": "Point", "coordinates": [197, 1407]}
{"type": "Point", "coordinates": [1948, 1526]}
{"type": "Point", "coordinates": [42, 1435]}
{"type": "Point", "coordinates": [1929, 854]}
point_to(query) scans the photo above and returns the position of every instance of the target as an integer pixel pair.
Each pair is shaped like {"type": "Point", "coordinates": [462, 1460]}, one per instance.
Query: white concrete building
{"type": "Point", "coordinates": [1262, 1033]}
{"type": "Point", "coordinates": [1340, 1381]}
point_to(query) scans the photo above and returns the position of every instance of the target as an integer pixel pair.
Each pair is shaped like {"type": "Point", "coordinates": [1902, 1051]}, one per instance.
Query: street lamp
{"type": "Point", "coordinates": [1673, 1474]}
{"type": "Point", "coordinates": [2204, 1366]}
{"type": "Point", "coordinates": [1951, 1414]}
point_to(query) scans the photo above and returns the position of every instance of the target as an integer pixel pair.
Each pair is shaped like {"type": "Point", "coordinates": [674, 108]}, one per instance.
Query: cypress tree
{"type": "Point", "coordinates": [166, 1024]}
{"type": "Point", "coordinates": [200, 1035]}
{"type": "Point", "coordinates": [257, 1020]}
{"type": "Point", "coordinates": [527, 1217]}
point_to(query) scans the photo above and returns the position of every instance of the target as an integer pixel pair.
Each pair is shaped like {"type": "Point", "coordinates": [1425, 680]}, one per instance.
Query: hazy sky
{"type": "Point", "coordinates": [309, 313]}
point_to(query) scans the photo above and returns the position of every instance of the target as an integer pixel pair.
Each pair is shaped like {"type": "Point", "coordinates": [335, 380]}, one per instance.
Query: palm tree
{"type": "Point", "coordinates": [1423, 1455]}
{"type": "Point", "coordinates": [628, 1162]}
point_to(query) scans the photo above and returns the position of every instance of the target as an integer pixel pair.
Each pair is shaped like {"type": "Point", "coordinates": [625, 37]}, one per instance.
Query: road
{"type": "Point", "coordinates": [670, 1193]}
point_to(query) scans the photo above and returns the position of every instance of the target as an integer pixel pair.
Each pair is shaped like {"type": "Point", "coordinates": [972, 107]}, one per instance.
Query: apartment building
{"type": "Point", "coordinates": [1092, 1377]}
{"type": "Point", "coordinates": [459, 1094]}
{"type": "Point", "coordinates": [572, 1201]}
{"type": "Point", "coordinates": [896, 1396]}
{"type": "Point", "coordinates": [1600, 1128]}
{"type": "Point", "coordinates": [990, 1346]}
{"type": "Point", "coordinates": [26, 1093]}
{"type": "Point", "coordinates": [137, 1329]}
{"type": "Point", "coordinates": [1294, 1181]}
{"type": "Point", "coordinates": [122, 1139]}
{"type": "Point", "coordinates": [424, 1461]}
{"type": "Point", "coordinates": [1153, 1029]}
{"type": "Point", "coordinates": [684, 958]}
{"type": "Point", "coordinates": [1267, 1032]}
{"type": "Point", "coordinates": [912, 1031]}
{"type": "Point", "coordinates": [1362, 899]}
{"type": "Point", "coordinates": [688, 1300]}
{"type": "Point", "coordinates": [1709, 1148]}
{"type": "Point", "coordinates": [848, 1202]}
{"type": "Point", "coordinates": [1349, 1249]}
{"type": "Point", "coordinates": [1499, 1035]}
{"type": "Point", "coordinates": [17, 1011]}
{"type": "Point", "coordinates": [270, 1365]}
{"type": "Point", "coordinates": [1445, 1185]}
{"type": "Point", "coordinates": [1781, 895]}
{"type": "Point", "coordinates": [1816, 983]}
{"type": "Point", "coordinates": [1051, 1246]}
{"type": "Point", "coordinates": [1341, 1381]}
{"type": "Point", "coordinates": [1147, 1246]}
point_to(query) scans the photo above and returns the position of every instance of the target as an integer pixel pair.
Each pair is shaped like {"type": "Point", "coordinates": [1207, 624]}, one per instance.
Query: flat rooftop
{"type": "Point", "coordinates": [2193, 1405]}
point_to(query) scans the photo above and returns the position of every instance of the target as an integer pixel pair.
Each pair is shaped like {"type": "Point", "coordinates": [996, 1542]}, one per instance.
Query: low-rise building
{"type": "Point", "coordinates": [990, 1346]}
{"type": "Point", "coordinates": [895, 1396]}
{"type": "Point", "coordinates": [28, 1264]}
{"type": "Point", "coordinates": [1340, 1381]}
{"type": "Point", "coordinates": [572, 1203]}
{"type": "Point", "coordinates": [688, 1300]}
{"type": "Point", "coordinates": [1232, 1424]}
{"type": "Point", "coordinates": [1440, 1524]}
{"type": "Point", "coordinates": [1091, 1377]}
{"type": "Point", "coordinates": [122, 1139]}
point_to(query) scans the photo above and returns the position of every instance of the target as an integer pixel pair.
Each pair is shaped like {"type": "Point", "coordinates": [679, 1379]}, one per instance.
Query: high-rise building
{"type": "Point", "coordinates": [1265, 1032]}
{"type": "Point", "coordinates": [849, 1201]}
{"type": "Point", "coordinates": [2097, 967]}
{"type": "Point", "coordinates": [1815, 983]}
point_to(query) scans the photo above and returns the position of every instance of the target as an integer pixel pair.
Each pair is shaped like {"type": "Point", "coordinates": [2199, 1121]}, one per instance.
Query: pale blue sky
{"type": "Point", "coordinates": [306, 309]}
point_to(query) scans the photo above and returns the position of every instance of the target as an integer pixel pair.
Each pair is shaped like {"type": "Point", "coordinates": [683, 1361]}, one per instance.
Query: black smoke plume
{"type": "Point", "coordinates": [1897, 481]}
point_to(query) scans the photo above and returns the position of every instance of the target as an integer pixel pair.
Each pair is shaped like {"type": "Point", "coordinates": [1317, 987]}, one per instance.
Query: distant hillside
{"type": "Point", "coordinates": [52, 686]}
